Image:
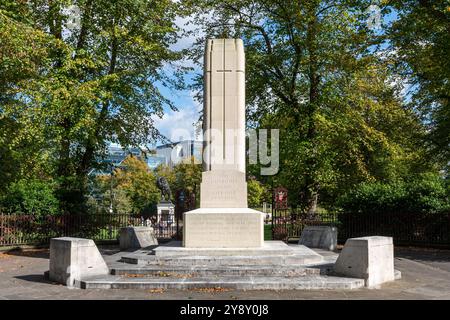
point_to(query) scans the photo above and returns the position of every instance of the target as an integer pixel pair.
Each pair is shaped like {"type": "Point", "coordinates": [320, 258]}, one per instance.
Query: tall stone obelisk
{"type": "Point", "coordinates": [223, 220]}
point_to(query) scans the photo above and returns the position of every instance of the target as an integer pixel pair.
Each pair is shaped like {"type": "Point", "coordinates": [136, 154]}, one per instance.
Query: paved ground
{"type": "Point", "coordinates": [425, 275]}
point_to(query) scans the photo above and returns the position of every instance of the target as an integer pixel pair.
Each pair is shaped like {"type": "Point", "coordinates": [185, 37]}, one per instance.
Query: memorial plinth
{"type": "Point", "coordinates": [223, 228]}
{"type": "Point", "coordinates": [224, 219]}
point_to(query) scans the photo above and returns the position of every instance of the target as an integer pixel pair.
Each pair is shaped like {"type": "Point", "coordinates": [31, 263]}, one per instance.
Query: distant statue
{"type": "Point", "coordinates": [163, 185]}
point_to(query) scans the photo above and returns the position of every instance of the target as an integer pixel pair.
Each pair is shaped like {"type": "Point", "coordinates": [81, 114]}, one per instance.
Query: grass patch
{"type": "Point", "coordinates": [267, 232]}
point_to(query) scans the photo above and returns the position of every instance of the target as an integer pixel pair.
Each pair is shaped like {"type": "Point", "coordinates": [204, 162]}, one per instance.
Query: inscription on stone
{"type": "Point", "coordinates": [224, 229]}
{"type": "Point", "coordinates": [222, 188]}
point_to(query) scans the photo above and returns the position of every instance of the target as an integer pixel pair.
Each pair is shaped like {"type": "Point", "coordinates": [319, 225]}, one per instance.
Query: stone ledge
{"type": "Point", "coordinates": [296, 256]}
{"type": "Point", "coordinates": [237, 283]}
{"type": "Point", "coordinates": [246, 270]}
{"type": "Point", "coordinates": [268, 248]}
{"type": "Point", "coordinates": [372, 241]}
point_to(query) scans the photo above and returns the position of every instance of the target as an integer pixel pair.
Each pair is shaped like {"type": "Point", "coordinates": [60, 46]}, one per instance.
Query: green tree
{"type": "Point", "coordinates": [34, 197]}
{"type": "Point", "coordinates": [420, 38]}
{"type": "Point", "coordinates": [313, 71]}
{"type": "Point", "coordinates": [425, 193]}
{"type": "Point", "coordinates": [188, 176]}
{"type": "Point", "coordinates": [133, 187]}
{"type": "Point", "coordinates": [85, 86]}
{"type": "Point", "coordinates": [24, 147]}
{"type": "Point", "coordinates": [256, 193]}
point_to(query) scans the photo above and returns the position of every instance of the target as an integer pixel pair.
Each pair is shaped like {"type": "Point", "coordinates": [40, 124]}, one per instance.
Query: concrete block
{"type": "Point", "coordinates": [368, 258]}
{"type": "Point", "coordinates": [74, 258]}
{"type": "Point", "coordinates": [137, 237]}
{"type": "Point", "coordinates": [323, 237]}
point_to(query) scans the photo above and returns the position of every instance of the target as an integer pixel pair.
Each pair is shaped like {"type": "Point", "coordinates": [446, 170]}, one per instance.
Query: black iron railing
{"type": "Point", "coordinates": [167, 231]}
{"type": "Point", "coordinates": [426, 229]}
{"type": "Point", "coordinates": [289, 223]}
{"type": "Point", "coordinates": [24, 229]}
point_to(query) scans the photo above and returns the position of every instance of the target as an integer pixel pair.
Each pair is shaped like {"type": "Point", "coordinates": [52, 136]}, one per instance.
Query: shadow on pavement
{"type": "Point", "coordinates": [39, 278]}
{"type": "Point", "coordinates": [35, 253]}
{"type": "Point", "coordinates": [108, 250]}
{"type": "Point", "coordinates": [423, 254]}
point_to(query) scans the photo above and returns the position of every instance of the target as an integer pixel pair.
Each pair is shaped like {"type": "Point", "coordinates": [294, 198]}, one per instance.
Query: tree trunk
{"type": "Point", "coordinates": [92, 143]}
{"type": "Point", "coordinates": [311, 185]}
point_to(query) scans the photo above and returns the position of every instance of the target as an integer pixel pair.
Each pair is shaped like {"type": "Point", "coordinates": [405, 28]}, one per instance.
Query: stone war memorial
{"type": "Point", "coordinates": [223, 219]}
{"type": "Point", "coordinates": [223, 240]}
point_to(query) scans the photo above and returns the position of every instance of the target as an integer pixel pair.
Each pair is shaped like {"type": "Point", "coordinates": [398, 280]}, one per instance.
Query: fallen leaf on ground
{"type": "Point", "coordinates": [159, 290]}
{"type": "Point", "coordinates": [134, 275]}
{"type": "Point", "coordinates": [173, 274]}
{"type": "Point", "coordinates": [4, 256]}
{"type": "Point", "coordinates": [213, 289]}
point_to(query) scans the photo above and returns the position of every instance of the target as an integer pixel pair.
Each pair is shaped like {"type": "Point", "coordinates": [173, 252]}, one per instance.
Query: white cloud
{"type": "Point", "coordinates": [185, 121]}
{"type": "Point", "coordinates": [182, 124]}
{"type": "Point", "coordinates": [186, 25]}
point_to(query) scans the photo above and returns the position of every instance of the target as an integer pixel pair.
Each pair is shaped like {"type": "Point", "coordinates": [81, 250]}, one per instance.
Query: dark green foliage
{"type": "Point", "coordinates": [30, 197]}
{"type": "Point", "coordinates": [421, 38]}
{"type": "Point", "coordinates": [427, 193]}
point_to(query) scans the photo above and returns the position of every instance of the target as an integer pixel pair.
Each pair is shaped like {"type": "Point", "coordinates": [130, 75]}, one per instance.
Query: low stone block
{"type": "Point", "coordinates": [223, 228]}
{"type": "Point", "coordinates": [323, 237]}
{"type": "Point", "coordinates": [137, 237]}
{"type": "Point", "coordinates": [368, 258]}
{"type": "Point", "coordinates": [74, 258]}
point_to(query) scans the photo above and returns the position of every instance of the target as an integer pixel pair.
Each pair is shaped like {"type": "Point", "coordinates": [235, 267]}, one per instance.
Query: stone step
{"type": "Point", "coordinates": [310, 282]}
{"type": "Point", "coordinates": [274, 253]}
{"type": "Point", "coordinates": [247, 270]}
{"type": "Point", "coordinates": [269, 248]}
{"type": "Point", "coordinates": [145, 259]}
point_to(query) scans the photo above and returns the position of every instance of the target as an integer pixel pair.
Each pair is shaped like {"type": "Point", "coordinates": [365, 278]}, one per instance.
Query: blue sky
{"type": "Point", "coordinates": [186, 118]}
